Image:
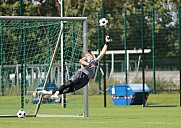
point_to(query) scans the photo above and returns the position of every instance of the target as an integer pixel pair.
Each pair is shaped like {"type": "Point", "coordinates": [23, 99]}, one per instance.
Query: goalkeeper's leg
{"type": "Point", "coordinates": [64, 87]}
{"type": "Point", "coordinates": [68, 86]}
{"type": "Point", "coordinates": [78, 81]}
{"type": "Point", "coordinates": [61, 90]}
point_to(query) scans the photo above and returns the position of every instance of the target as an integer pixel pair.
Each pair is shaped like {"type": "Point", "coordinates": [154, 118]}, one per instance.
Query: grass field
{"type": "Point", "coordinates": [109, 117]}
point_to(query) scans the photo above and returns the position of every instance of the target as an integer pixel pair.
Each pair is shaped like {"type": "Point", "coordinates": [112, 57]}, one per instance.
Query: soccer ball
{"type": "Point", "coordinates": [21, 114]}
{"type": "Point", "coordinates": [103, 22]}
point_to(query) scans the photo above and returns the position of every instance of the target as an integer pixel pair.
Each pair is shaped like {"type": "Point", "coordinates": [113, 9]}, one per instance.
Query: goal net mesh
{"type": "Point", "coordinates": [26, 49]}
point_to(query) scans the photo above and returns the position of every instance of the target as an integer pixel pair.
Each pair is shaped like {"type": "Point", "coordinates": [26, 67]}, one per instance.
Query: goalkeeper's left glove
{"type": "Point", "coordinates": [108, 39]}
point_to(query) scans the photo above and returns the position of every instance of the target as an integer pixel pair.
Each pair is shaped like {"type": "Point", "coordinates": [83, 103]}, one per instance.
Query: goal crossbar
{"type": "Point", "coordinates": [43, 18]}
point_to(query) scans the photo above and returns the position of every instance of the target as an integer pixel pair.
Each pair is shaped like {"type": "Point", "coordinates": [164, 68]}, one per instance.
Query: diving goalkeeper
{"type": "Point", "coordinates": [82, 76]}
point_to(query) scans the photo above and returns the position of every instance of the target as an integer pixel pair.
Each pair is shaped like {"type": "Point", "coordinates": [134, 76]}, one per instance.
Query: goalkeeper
{"type": "Point", "coordinates": [82, 76]}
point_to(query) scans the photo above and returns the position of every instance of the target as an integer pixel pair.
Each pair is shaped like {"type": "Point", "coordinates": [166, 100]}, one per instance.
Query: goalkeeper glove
{"type": "Point", "coordinates": [108, 39]}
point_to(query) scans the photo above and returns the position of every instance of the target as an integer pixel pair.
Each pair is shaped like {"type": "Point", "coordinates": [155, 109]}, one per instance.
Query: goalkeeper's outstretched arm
{"type": "Point", "coordinates": [95, 61]}
{"type": "Point", "coordinates": [104, 49]}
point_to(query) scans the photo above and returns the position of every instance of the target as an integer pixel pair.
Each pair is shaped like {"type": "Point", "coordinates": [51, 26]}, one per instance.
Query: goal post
{"type": "Point", "coordinates": [30, 54]}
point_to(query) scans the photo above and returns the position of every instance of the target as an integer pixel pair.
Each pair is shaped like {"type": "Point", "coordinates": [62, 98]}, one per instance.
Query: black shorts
{"type": "Point", "coordinates": [79, 80]}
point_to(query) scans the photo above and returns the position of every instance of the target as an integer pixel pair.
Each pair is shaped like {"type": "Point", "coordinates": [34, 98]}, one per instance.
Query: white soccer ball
{"type": "Point", "coordinates": [21, 114]}
{"type": "Point", "coordinates": [103, 22]}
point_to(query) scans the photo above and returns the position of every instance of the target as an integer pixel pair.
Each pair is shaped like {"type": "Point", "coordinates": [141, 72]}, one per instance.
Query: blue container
{"type": "Point", "coordinates": [128, 94]}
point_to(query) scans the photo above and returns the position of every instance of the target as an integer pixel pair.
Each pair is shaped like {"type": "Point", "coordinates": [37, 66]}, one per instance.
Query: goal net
{"type": "Point", "coordinates": [38, 51]}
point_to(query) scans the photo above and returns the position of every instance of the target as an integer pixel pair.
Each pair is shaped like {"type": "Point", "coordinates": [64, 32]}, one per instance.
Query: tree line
{"type": "Point", "coordinates": [165, 25]}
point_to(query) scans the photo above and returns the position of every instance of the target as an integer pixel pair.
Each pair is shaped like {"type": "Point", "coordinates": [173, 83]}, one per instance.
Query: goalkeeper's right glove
{"type": "Point", "coordinates": [108, 39]}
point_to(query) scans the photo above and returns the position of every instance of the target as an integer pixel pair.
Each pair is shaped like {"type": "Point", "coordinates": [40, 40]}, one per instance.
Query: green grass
{"type": "Point", "coordinates": [110, 116]}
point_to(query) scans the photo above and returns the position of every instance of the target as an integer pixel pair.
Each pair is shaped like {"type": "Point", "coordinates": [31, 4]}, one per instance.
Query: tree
{"type": "Point", "coordinates": [12, 8]}
{"type": "Point", "coordinates": [165, 23]}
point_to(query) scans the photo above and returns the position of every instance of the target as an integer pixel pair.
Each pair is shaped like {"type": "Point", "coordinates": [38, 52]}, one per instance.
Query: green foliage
{"type": "Point", "coordinates": [114, 13]}
{"type": "Point", "coordinates": [12, 7]}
